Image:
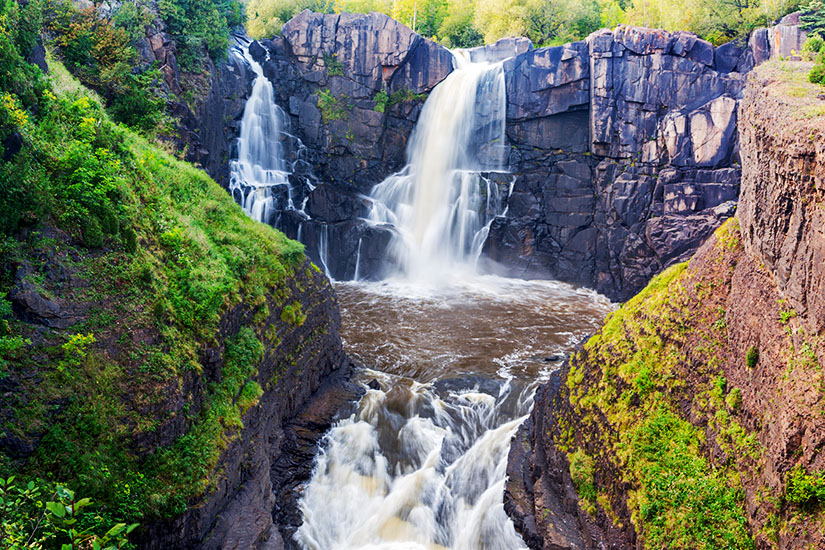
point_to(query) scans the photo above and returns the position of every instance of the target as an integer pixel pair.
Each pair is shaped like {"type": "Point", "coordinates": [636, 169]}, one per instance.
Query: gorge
{"type": "Point", "coordinates": [546, 297]}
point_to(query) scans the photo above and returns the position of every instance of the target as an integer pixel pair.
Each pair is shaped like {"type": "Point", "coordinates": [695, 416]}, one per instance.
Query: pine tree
{"type": "Point", "coordinates": [813, 17]}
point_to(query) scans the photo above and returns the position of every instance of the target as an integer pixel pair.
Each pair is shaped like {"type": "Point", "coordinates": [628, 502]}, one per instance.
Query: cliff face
{"type": "Point", "coordinates": [623, 148]}
{"type": "Point", "coordinates": [624, 156]}
{"type": "Point", "coordinates": [690, 419]}
{"type": "Point", "coordinates": [170, 355]}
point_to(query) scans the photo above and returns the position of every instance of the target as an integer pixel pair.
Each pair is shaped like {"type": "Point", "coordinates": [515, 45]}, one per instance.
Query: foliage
{"type": "Point", "coordinates": [198, 25]}
{"type": "Point", "coordinates": [817, 74]}
{"type": "Point", "coordinates": [581, 471]}
{"type": "Point", "coordinates": [804, 489]}
{"type": "Point", "coordinates": [293, 314]}
{"type": "Point", "coordinates": [812, 46]}
{"type": "Point", "coordinates": [100, 52]}
{"type": "Point", "coordinates": [752, 356]}
{"type": "Point", "coordinates": [334, 67]}
{"type": "Point", "coordinates": [734, 399]}
{"type": "Point", "coordinates": [39, 515]}
{"type": "Point", "coordinates": [683, 501]}
{"type": "Point", "coordinates": [332, 107]}
{"type": "Point", "coordinates": [380, 100]}
{"type": "Point", "coordinates": [175, 255]}
{"type": "Point", "coordinates": [813, 17]}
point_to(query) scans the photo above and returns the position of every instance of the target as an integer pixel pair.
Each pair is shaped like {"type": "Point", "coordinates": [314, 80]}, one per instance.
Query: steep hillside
{"type": "Point", "coordinates": [154, 340]}
{"type": "Point", "coordinates": [693, 418]}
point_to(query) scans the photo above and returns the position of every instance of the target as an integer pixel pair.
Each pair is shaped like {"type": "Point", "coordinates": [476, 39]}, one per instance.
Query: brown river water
{"type": "Point", "coordinates": [453, 367]}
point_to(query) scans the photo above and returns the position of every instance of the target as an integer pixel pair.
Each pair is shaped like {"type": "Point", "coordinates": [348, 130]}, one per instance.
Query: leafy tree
{"type": "Point", "coordinates": [457, 29]}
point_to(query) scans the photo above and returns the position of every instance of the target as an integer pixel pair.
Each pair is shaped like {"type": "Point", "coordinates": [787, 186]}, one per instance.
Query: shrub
{"type": "Point", "coordinates": [734, 399]}
{"type": "Point", "coordinates": [39, 514]}
{"type": "Point", "coordinates": [817, 74]}
{"type": "Point", "coordinates": [380, 100]}
{"type": "Point", "coordinates": [581, 472]}
{"type": "Point", "coordinates": [812, 46]}
{"type": "Point", "coordinates": [804, 489]}
{"type": "Point", "coordinates": [752, 356]}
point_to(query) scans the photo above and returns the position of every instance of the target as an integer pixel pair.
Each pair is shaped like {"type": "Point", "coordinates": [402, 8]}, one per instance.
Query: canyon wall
{"type": "Point", "coordinates": [624, 154]}
{"type": "Point", "coordinates": [691, 419]}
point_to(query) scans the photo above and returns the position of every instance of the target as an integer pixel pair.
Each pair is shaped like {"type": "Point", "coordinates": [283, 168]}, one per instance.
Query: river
{"type": "Point", "coordinates": [454, 366]}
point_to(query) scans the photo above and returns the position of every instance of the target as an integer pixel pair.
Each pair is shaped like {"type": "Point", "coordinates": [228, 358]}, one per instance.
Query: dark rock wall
{"type": "Point", "coordinates": [237, 513]}
{"type": "Point", "coordinates": [759, 287]}
{"type": "Point", "coordinates": [625, 152]}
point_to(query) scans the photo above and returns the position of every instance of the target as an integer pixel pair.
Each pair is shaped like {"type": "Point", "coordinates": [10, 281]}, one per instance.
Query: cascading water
{"type": "Point", "coordinates": [422, 463]}
{"type": "Point", "coordinates": [259, 176]}
{"type": "Point", "coordinates": [440, 204]}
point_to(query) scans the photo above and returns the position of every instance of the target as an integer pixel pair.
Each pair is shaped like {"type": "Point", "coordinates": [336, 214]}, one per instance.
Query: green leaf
{"type": "Point", "coordinates": [56, 508]}
{"type": "Point", "coordinates": [116, 530]}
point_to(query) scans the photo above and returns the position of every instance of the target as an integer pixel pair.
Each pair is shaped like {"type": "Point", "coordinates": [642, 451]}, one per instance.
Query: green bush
{"type": "Point", "coordinates": [817, 74]}
{"type": "Point", "coordinates": [752, 356]}
{"type": "Point", "coordinates": [200, 24]}
{"type": "Point", "coordinates": [380, 100]}
{"type": "Point", "coordinates": [812, 46]}
{"type": "Point", "coordinates": [41, 515]}
{"type": "Point", "coordinates": [804, 489]}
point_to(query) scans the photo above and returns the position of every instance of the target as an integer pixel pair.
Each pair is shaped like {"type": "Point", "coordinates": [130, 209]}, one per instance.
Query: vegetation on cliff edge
{"type": "Point", "coordinates": [123, 261]}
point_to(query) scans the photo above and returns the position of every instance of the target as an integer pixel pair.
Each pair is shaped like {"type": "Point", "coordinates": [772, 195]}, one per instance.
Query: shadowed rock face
{"type": "Point", "coordinates": [623, 147]}
{"type": "Point", "coordinates": [763, 276]}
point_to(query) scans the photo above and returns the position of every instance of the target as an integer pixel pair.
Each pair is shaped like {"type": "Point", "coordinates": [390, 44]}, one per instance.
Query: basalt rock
{"type": "Point", "coordinates": [756, 284]}
{"type": "Point", "coordinates": [624, 154]}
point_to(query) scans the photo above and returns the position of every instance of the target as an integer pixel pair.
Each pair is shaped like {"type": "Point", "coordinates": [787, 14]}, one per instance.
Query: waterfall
{"type": "Point", "coordinates": [413, 470]}
{"type": "Point", "coordinates": [439, 202]}
{"type": "Point", "coordinates": [259, 179]}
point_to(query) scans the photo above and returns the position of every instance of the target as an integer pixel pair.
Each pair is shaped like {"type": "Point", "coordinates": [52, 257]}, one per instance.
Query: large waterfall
{"type": "Point", "coordinates": [259, 179]}
{"type": "Point", "coordinates": [457, 356]}
{"type": "Point", "coordinates": [440, 204]}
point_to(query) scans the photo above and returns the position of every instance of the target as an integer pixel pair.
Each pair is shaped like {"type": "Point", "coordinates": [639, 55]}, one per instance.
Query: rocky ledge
{"type": "Point", "coordinates": [691, 419]}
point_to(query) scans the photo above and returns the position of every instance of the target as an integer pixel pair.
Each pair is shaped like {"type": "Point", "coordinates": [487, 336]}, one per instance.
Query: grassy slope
{"type": "Point", "coordinates": [176, 253]}
{"type": "Point", "coordinates": [648, 398]}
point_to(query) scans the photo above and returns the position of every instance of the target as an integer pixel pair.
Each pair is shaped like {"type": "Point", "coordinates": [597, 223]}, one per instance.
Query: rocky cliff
{"type": "Point", "coordinates": [691, 419]}
{"type": "Point", "coordinates": [170, 361]}
{"type": "Point", "coordinates": [624, 152]}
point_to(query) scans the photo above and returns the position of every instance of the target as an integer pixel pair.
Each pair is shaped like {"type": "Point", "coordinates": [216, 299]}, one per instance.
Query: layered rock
{"type": "Point", "coordinates": [625, 156]}
{"type": "Point", "coordinates": [725, 348]}
{"type": "Point", "coordinates": [623, 147]}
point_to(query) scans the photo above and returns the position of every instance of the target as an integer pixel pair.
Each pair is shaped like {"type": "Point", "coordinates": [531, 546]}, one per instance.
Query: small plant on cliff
{"type": "Point", "coordinates": [334, 67]}
{"type": "Point", "coordinates": [752, 356]}
{"type": "Point", "coordinates": [332, 108]}
{"type": "Point", "coordinates": [581, 471]}
{"type": "Point", "coordinates": [804, 489]}
{"type": "Point", "coordinates": [734, 399]}
{"type": "Point", "coordinates": [293, 314]}
{"type": "Point", "coordinates": [380, 100]}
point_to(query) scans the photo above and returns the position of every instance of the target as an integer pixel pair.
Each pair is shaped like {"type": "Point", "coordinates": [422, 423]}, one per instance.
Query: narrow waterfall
{"type": "Point", "coordinates": [440, 204]}
{"type": "Point", "coordinates": [259, 179]}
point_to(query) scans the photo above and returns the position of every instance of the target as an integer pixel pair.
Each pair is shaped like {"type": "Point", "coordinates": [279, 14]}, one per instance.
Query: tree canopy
{"type": "Point", "coordinates": [466, 23]}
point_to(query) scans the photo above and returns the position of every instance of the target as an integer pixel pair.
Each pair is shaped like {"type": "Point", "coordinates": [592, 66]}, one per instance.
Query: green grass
{"type": "Point", "coordinates": [628, 387]}
{"type": "Point", "coordinates": [163, 253]}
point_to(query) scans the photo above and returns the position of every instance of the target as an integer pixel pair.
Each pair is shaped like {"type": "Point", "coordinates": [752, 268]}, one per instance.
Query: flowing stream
{"type": "Point", "coordinates": [455, 357]}
{"type": "Point", "coordinates": [422, 463]}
